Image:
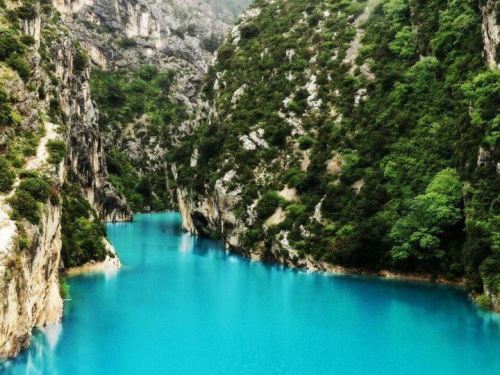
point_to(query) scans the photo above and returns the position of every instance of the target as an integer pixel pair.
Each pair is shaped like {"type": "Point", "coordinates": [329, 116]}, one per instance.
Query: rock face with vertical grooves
{"type": "Point", "coordinates": [176, 36]}
{"type": "Point", "coordinates": [55, 102]}
{"type": "Point", "coordinates": [490, 11]}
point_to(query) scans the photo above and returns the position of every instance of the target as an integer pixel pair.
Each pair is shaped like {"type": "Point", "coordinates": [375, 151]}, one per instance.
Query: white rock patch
{"type": "Point", "coordinates": [254, 139]}
{"type": "Point", "coordinates": [238, 94]}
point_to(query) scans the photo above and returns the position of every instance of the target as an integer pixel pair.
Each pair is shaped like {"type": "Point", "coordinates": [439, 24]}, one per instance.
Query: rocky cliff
{"type": "Point", "coordinates": [178, 35]}
{"type": "Point", "coordinates": [490, 11]}
{"type": "Point", "coordinates": [122, 37]}
{"type": "Point", "coordinates": [355, 134]}
{"type": "Point", "coordinates": [49, 133]}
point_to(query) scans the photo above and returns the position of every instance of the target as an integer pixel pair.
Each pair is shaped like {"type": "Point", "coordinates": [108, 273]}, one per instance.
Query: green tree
{"type": "Point", "coordinates": [404, 44]}
{"type": "Point", "coordinates": [37, 187]}
{"type": "Point", "coordinates": [25, 206]}
{"type": "Point", "coordinates": [418, 233]}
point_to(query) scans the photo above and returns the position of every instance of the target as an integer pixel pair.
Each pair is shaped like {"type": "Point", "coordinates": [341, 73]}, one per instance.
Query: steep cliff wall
{"type": "Point", "coordinates": [49, 134]}
{"type": "Point", "coordinates": [335, 130]}
{"type": "Point", "coordinates": [143, 110]}
{"type": "Point", "coordinates": [29, 278]}
{"type": "Point", "coordinates": [178, 35]}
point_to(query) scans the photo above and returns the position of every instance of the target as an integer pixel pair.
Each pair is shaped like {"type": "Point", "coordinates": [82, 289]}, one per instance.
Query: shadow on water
{"type": "Point", "coordinates": [431, 301]}
{"type": "Point", "coordinates": [448, 302]}
{"type": "Point", "coordinates": [258, 295]}
{"type": "Point", "coordinates": [40, 355]}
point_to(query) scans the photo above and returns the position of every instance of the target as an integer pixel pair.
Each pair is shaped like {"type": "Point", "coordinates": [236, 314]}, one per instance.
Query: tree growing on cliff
{"type": "Point", "coordinates": [417, 234]}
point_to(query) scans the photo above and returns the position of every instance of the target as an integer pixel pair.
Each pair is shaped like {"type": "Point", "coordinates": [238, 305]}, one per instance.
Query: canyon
{"type": "Point", "coordinates": [325, 135]}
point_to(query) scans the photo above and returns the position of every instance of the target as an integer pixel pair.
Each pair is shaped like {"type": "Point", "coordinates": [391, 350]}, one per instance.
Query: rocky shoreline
{"type": "Point", "coordinates": [109, 265]}
{"type": "Point", "coordinates": [310, 265]}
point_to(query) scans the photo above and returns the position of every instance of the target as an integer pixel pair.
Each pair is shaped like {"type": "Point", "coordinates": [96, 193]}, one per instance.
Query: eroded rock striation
{"type": "Point", "coordinates": [47, 103]}
{"type": "Point", "coordinates": [178, 38]}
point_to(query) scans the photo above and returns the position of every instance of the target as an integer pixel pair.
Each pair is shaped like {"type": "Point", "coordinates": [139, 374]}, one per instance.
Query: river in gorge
{"type": "Point", "coordinates": [183, 305]}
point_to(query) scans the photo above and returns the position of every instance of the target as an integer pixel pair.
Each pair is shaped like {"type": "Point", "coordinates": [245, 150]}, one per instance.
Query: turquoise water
{"type": "Point", "coordinates": [182, 305]}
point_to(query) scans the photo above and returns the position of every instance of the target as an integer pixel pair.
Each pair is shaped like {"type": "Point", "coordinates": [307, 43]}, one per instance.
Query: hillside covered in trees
{"type": "Point", "coordinates": [357, 133]}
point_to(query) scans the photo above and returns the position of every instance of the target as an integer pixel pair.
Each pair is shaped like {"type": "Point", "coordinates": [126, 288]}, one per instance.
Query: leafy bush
{"type": "Point", "coordinates": [19, 63]}
{"type": "Point", "coordinates": [9, 44]}
{"type": "Point", "coordinates": [306, 142]}
{"type": "Point", "coordinates": [82, 233]}
{"type": "Point", "coordinates": [7, 175]}
{"type": "Point", "coordinates": [418, 233]}
{"type": "Point", "coordinates": [249, 30]}
{"type": "Point", "coordinates": [80, 60]}
{"type": "Point", "coordinates": [37, 187]}
{"type": "Point", "coordinates": [267, 204]}
{"type": "Point", "coordinates": [27, 40]}
{"type": "Point", "coordinates": [211, 43]}
{"type": "Point", "coordinates": [24, 205]}
{"type": "Point", "coordinates": [57, 151]}
{"type": "Point", "coordinates": [5, 110]}
{"type": "Point", "coordinates": [27, 10]}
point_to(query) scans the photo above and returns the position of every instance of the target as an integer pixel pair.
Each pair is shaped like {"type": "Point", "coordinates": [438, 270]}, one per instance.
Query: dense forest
{"type": "Point", "coordinates": [136, 111]}
{"type": "Point", "coordinates": [380, 116]}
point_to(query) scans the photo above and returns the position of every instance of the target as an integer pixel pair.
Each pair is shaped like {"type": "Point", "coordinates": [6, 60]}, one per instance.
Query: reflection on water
{"type": "Point", "coordinates": [185, 305]}
{"type": "Point", "coordinates": [39, 359]}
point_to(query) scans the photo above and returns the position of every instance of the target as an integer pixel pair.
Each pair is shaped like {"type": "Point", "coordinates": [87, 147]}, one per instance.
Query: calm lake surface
{"type": "Point", "coordinates": [182, 305]}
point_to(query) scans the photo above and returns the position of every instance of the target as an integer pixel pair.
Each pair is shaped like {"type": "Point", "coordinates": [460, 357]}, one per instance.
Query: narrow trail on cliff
{"type": "Point", "coordinates": [42, 154]}
{"type": "Point", "coordinates": [8, 228]}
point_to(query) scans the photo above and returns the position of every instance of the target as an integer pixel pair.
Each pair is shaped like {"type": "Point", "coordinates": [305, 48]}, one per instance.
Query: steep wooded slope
{"type": "Point", "coordinates": [357, 133]}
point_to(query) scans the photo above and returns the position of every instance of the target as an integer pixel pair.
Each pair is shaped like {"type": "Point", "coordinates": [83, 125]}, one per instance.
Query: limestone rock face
{"type": "Point", "coordinates": [86, 154]}
{"type": "Point", "coordinates": [491, 32]}
{"type": "Point", "coordinates": [180, 35]}
{"type": "Point", "coordinates": [30, 284]}
{"type": "Point", "coordinates": [30, 255]}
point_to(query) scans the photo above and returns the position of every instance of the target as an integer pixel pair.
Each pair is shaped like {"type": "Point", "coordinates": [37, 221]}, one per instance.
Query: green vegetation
{"type": "Point", "coordinates": [82, 233]}
{"type": "Point", "coordinates": [136, 188]}
{"type": "Point", "coordinates": [418, 233]}
{"type": "Point", "coordinates": [13, 52]}
{"type": "Point", "coordinates": [57, 151]}
{"type": "Point", "coordinates": [25, 206]}
{"type": "Point", "coordinates": [80, 60]}
{"type": "Point", "coordinates": [26, 202]}
{"type": "Point", "coordinates": [401, 151]}
{"type": "Point", "coordinates": [63, 288]}
{"type": "Point", "coordinates": [136, 108]}
{"type": "Point", "coordinates": [7, 175]}
{"type": "Point", "coordinates": [267, 204]}
{"type": "Point", "coordinates": [7, 117]}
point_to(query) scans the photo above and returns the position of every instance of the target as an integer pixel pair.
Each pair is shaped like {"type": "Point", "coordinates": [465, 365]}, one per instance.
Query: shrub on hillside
{"type": "Point", "coordinates": [267, 204]}
{"type": "Point", "coordinates": [7, 175]}
{"type": "Point", "coordinates": [24, 205]}
{"type": "Point", "coordinates": [9, 44]}
{"type": "Point", "coordinates": [19, 64]}
{"type": "Point", "coordinates": [37, 187]}
{"type": "Point", "coordinates": [57, 151]}
{"type": "Point", "coordinates": [249, 30]}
